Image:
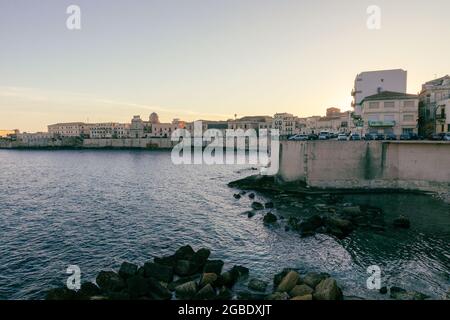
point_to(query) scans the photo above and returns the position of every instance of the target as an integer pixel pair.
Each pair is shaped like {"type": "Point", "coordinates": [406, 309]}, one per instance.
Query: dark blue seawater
{"type": "Point", "coordinates": [97, 209]}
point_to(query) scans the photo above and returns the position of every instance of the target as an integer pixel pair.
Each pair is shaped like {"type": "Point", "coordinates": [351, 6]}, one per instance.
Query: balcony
{"type": "Point", "coordinates": [378, 124]}
{"type": "Point", "coordinates": [441, 116]}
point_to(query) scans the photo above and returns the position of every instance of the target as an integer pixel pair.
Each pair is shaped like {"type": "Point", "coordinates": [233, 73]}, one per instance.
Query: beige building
{"type": "Point", "coordinates": [442, 116]}
{"type": "Point", "coordinates": [390, 112]}
{"type": "Point", "coordinates": [251, 122]}
{"type": "Point", "coordinates": [165, 130]}
{"type": "Point", "coordinates": [70, 129]}
{"type": "Point", "coordinates": [433, 93]}
{"type": "Point", "coordinates": [109, 130]}
{"type": "Point", "coordinates": [35, 138]}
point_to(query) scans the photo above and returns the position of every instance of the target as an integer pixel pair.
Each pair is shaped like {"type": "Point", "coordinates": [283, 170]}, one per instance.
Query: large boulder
{"type": "Point", "coordinates": [257, 285]}
{"type": "Point", "coordinates": [138, 287]}
{"type": "Point", "coordinates": [200, 257]}
{"type": "Point", "coordinates": [278, 296]}
{"type": "Point", "coordinates": [279, 276]}
{"type": "Point", "coordinates": [402, 222]}
{"type": "Point", "coordinates": [110, 281]}
{"type": "Point", "coordinates": [185, 268]}
{"type": "Point", "coordinates": [128, 270]}
{"type": "Point", "coordinates": [303, 298]}
{"type": "Point", "coordinates": [288, 282]}
{"type": "Point", "coordinates": [327, 290]}
{"type": "Point", "coordinates": [402, 294]}
{"type": "Point", "coordinates": [184, 253]}
{"type": "Point", "coordinates": [270, 218]}
{"type": "Point", "coordinates": [213, 266]}
{"type": "Point", "coordinates": [171, 286]}
{"type": "Point", "coordinates": [88, 290]}
{"type": "Point", "coordinates": [269, 205]}
{"type": "Point", "coordinates": [158, 271]}
{"type": "Point", "coordinates": [206, 293]}
{"type": "Point", "coordinates": [301, 290]}
{"type": "Point", "coordinates": [207, 278]}
{"type": "Point", "coordinates": [186, 291]}
{"type": "Point", "coordinates": [224, 294]}
{"type": "Point", "coordinates": [157, 291]}
{"type": "Point", "coordinates": [240, 271]}
{"type": "Point", "coordinates": [339, 227]}
{"type": "Point", "coordinates": [310, 225]}
{"type": "Point", "coordinates": [169, 261]}
{"type": "Point", "coordinates": [312, 279]}
{"type": "Point", "coordinates": [257, 206]}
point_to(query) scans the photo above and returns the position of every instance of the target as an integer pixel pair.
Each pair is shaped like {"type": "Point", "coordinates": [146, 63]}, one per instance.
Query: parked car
{"type": "Point", "coordinates": [391, 136]}
{"type": "Point", "coordinates": [342, 137]}
{"type": "Point", "coordinates": [313, 136]}
{"type": "Point", "coordinates": [355, 137]}
{"type": "Point", "coordinates": [299, 137]}
{"type": "Point", "coordinates": [405, 136]}
{"type": "Point", "coordinates": [369, 136]}
{"type": "Point", "coordinates": [379, 136]}
{"type": "Point", "coordinates": [323, 136]}
{"type": "Point", "coordinates": [447, 136]}
{"type": "Point", "coordinates": [437, 136]}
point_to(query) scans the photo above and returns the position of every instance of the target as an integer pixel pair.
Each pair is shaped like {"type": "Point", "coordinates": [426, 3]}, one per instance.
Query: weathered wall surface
{"type": "Point", "coordinates": [421, 165]}
{"type": "Point", "coordinates": [143, 143]}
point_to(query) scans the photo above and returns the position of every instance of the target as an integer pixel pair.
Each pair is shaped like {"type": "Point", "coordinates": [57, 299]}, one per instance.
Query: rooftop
{"type": "Point", "coordinates": [390, 95]}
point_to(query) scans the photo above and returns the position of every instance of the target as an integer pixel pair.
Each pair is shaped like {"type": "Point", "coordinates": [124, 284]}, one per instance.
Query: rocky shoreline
{"type": "Point", "coordinates": [191, 275]}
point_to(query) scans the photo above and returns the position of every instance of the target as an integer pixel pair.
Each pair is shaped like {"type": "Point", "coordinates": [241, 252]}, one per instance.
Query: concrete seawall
{"type": "Point", "coordinates": [421, 165]}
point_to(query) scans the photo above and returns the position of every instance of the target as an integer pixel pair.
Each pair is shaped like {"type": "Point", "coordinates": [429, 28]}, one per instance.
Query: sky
{"type": "Point", "coordinates": [205, 59]}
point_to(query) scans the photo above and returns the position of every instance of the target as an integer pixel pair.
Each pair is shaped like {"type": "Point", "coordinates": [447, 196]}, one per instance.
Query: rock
{"type": "Point", "coordinates": [279, 276]}
{"type": "Point", "coordinates": [278, 296]}
{"type": "Point", "coordinates": [251, 214]}
{"type": "Point", "coordinates": [289, 282]}
{"type": "Point", "coordinates": [257, 206]}
{"type": "Point", "coordinates": [186, 290]}
{"type": "Point", "coordinates": [383, 290]}
{"type": "Point", "coordinates": [157, 291]}
{"type": "Point", "coordinates": [270, 218]}
{"type": "Point", "coordinates": [251, 196]}
{"type": "Point", "coordinates": [312, 279]}
{"type": "Point", "coordinates": [224, 294]}
{"type": "Point", "coordinates": [301, 290]}
{"type": "Point", "coordinates": [185, 268]}
{"type": "Point", "coordinates": [138, 287]}
{"type": "Point", "coordinates": [88, 289]}
{"type": "Point", "coordinates": [237, 196]}
{"type": "Point", "coordinates": [246, 295]}
{"type": "Point", "coordinates": [141, 272]}
{"type": "Point", "coordinates": [61, 294]}
{"type": "Point", "coordinates": [293, 222]}
{"type": "Point", "coordinates": [339, 227]}
{"type": "Point", "coordinates": [128, 270]}
{"type": "Point", "coordinates": [110, 281]}
{"type": "Point", "coordinates": [243, 193]}
{"type": "Point", "coordinates": [308, 226]}
{"type": "Point", "coordinates": [257, 285]}
{"type": "Point", "coordinates": [213, 266]}
{"type": "Point", "coordinates": [171, 286]}
{"type": "Point", "coordinates": [119, 295]}
{"type": "Point", "coordinates": [206, 293]}
{"type": "Point", "coordinates": [158, 271]}
{"type": "Point", "coordinates": [269, 205]}
{"type": "Point", "coordinates": [200, 257]}
{"type": "Point", "coordinates": [240, 271]}
{"type": "Point", "coordinates": [398, 293]}
{"type": "Point", "coordinates": [303, 298]}
{"type": "Point", "coordinates": [169, 261]}
{"type": "Point", "coordinates": [207, 278]}
{"type": "Point", "coordinates": [327, 290]}
{"type": "Point", "coordinates": [184, 253]}
{"type": "Point", "coordinates": [228, 279]}
{"type": "Point", "coordinates": [402, 222]}
{"type": "Point", "coordinates": [447, 295]}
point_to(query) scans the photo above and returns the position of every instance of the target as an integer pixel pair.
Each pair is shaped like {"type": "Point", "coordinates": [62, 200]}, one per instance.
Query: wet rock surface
{"type": "Point", "coordinates": [160, 279]}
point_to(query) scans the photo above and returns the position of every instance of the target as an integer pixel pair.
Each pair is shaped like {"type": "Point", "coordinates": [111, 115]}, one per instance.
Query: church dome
{"type": "Point", "coordinates": [154, 118]}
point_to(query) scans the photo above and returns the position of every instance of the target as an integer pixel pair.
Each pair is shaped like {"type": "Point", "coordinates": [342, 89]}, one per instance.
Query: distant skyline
{"type": "Point", "coordinates": [205, 59]}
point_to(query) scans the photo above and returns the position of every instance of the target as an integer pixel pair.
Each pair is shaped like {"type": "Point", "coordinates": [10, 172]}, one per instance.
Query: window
{"type": "Point", "coordinates": [389, 117]}
{"type": "Point", "coordinates": [389, 104]}
{"type": "Point", "coordinates": [408, 104]}
{"type": "Point", "coordinates": [373, 117]}
{"type": "Point", "coordinates": [408, 117]}
{"type": "Point", "coordinates": [374, 105]}
{"type": "Point", "coordinates": [407, 130]}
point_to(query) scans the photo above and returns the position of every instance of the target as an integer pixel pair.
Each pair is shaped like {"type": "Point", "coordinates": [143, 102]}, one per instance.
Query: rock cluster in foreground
{"type": "Point", "coordinates": [191, 275]}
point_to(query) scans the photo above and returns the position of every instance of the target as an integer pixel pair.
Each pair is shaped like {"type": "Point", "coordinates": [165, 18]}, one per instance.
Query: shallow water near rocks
{"type": "Point", "coordinates": [97, 209]}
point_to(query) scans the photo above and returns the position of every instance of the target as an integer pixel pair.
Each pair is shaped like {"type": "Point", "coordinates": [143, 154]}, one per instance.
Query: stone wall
{"type": "Point", "coordinates": [423, 165]}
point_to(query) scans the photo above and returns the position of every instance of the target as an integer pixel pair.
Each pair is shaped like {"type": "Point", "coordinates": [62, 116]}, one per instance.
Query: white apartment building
{"type": "Point", "coordinates": [433, 95]}
{"type": "Point", "coordinates": [390, 112]}
{"type": "Point", "coordinates": [374, 82]}
{"type": "Point", "coordinates": [442, 116]}
{"type": "Point", "coordinates": [71, 129]}
{"type": "Point", "coordinates": [286, 123]}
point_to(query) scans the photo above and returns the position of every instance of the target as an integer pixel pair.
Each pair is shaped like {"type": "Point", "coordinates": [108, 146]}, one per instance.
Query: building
{"type": "Point", "coordinates": [154, 118]}
{"type": "Point", "coordinates": [38, 138]}
{"type": "Point", "coordinates": [442, 116]}
{"type": "Point", "coordinates": [374, 82]}
{"type": "Point", "coordinates": [390, 112]}
{"type": "Point", "coordinates": [137, 128]}
{"type": "Point", "coordinates": [250, 122]}
{"type": "Point", "coordinates": [8, 133]}
{"type": "Point", "coordinates": [286, 123]}
{"type": "Point", "coordinates": [165, 130]}
{"type": "Point", "coordinates": [432, 95]}
{"type": "Point", "coordinates": [109, 130]}
{"type": "Point", "coordinates": [70, 129]}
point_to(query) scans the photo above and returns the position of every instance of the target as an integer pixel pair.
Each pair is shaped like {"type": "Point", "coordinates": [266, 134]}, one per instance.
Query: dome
{"type": "Point", "coordinates": [154, 118]}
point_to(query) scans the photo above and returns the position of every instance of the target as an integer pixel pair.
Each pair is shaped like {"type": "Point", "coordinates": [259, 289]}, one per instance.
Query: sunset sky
{"type": "Point", "coordinates": [205, 59]}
